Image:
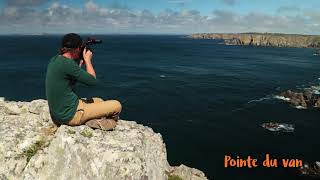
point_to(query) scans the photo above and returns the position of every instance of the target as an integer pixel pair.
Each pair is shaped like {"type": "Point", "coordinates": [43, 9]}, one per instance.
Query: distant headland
{"type": "Point", "coordinates": [264, 39]}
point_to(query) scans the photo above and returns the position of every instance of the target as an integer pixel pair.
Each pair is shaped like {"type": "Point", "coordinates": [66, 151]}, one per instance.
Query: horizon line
{"type": "Point", "coordinates": [183, 34]}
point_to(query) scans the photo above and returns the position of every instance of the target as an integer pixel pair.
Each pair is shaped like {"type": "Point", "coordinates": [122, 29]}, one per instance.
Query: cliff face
{"type": "Point", "coordinates": [32, 147]}
{"type": "Point", "coordinates": [264, 39]}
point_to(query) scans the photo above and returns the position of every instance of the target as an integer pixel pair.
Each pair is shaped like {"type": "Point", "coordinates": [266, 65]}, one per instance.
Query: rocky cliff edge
{"type": "Point", "coordinates": [32, 147]}
{"type": "Point", "coordinates": [264, 39]}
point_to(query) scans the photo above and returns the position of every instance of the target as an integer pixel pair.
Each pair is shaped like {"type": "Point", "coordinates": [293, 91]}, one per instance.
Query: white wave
{"type": "Point", "coordinates": [255, 100]}
{"type": "Point", "coordinates": [259, 100]}
{"type": "Point", "coordinates": [314, 89]}
{"type": "Point", "coordinates": [316, 92]}
{"type": "Point", "coordinates": [238, 109]}
{"type": "Point", "coordinates": [282, 98]}
{"type": "Point", "coordinates": [300, 107]}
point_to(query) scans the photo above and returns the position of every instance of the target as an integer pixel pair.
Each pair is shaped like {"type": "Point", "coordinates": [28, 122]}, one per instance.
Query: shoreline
{"type": "Point", "coordinates": [263, 39]}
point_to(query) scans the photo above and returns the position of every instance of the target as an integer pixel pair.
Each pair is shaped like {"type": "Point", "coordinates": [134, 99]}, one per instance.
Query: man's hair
{"type": "Point", "coordinates": [70, 42]}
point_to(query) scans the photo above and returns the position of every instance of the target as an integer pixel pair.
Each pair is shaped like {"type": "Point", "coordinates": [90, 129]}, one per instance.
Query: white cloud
{"type": "Point", "coordinates": [10, 11]}
{"type": "Point", "coordinates": [90, 6]}
{"type": "Point", "coordinates": [59, 18]}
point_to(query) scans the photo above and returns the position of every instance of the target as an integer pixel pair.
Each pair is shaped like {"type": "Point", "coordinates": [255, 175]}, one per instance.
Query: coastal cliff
{"type": "Point", "coordinates": [32, 147]}
{"type": "Point", "coordinates": [263, 39]}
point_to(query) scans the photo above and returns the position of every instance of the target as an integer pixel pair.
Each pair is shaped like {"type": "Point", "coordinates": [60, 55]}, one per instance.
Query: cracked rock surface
{"type": "Point", "coordinates": [32, 147]}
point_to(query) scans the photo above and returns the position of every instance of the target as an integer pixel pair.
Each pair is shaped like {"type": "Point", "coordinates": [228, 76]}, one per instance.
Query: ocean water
{"type": "Point", "coordinates": [208, 100]}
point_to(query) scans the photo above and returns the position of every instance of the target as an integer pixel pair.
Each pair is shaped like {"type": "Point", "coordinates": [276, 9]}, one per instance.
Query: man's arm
{"type": "Point", "coordinates": [87, 57]}
{"type": "Point", "coordinates": [73, 70]}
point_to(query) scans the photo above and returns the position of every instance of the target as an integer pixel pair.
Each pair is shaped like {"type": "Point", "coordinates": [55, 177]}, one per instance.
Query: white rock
{"type": "Point", "coordinates": [12, 108]}
{"type": "Point", "coordinates": [19, 133]}
{"type": "Point", "coordinates": [96, 154]}
{"type": "Point", "coordinates": [31, 149]}
{"type": "Point", "coordinates": [38, 106]}
{"type": "Point", "coordinates": [187, 173]}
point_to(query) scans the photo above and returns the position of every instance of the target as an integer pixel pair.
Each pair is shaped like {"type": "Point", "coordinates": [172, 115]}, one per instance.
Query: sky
{"type": "Point", "coordinates": [159, 16]}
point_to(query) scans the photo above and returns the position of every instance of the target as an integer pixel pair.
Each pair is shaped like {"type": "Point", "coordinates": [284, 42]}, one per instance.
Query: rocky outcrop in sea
{"type": "Point", "coordinates": [33, 147]}
{"type": "Point", "coordinates": [301, 100]}
{"type": "Point", "coordinates": [263, 39]}
{"type": "Point", "coordinates": [311, 170]}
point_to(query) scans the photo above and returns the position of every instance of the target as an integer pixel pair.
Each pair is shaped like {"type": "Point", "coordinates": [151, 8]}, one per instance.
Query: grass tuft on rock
{"type": "Point", "coordinates": [86, 133]}
{"type": "Point", "coordinates": [71, 131]}
{"type": "Point", "coordinates": [174, 177]}
{"type": "Point", "coordinates": [33, 149]}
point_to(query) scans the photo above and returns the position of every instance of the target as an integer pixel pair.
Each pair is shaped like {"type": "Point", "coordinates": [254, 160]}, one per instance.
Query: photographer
{"type": "Point", "coordinates": [65, 106]}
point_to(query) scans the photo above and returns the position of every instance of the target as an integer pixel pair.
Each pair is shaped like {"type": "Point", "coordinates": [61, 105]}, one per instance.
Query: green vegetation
{"type": "Point", "coordinates": [174, 177]}
{"type": "Point", "coordinates": [24, 110]}
{"type": "Point", "coordinates": [70, 131]}
{"type": "Point", "coordinates": [86, 133]}
{"type": "Point", "coordinates": [33, 149]}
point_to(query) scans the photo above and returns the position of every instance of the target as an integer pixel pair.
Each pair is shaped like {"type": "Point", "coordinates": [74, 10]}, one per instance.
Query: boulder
{"type": "Point", "coordinates": [12, 108]}
{"type": "Point", "coordinates": [186, 173]}
{"type": "Point", "coordinates": [131, 151]}
{"type": "Point", "coordinates": [287, 94]}
{"type": "Point", "coordinates": [298, 99]}
{"type": "Point", "coordinates": [32, 147]}
{"type": "Point", "coordinates": [38, 106]}
{"type": "Point", "coordinates": [308, 95]}
{"type": "Point", "coordinates": [317, 103]}
{"type": "Point", "coordinates": [311, 170]}
{"type": "Point", "coordinates": [20, 133]}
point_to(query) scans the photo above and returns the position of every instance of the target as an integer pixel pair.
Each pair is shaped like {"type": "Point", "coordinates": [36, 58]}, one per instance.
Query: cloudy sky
{"type": "Point", "coordinates": [159, 16]}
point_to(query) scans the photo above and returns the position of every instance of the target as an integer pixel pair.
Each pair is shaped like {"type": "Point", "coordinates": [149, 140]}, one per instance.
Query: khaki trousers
{"type": "Point", "coordinates": [95, 108]}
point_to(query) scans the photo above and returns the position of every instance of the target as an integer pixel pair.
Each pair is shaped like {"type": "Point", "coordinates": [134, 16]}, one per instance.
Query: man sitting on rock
{"type": "Point", "coordinates": [65, 106]}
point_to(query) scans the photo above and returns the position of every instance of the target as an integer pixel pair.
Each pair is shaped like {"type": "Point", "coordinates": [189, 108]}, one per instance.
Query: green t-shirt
{"type": "Point", "coordinates": [62, 74]}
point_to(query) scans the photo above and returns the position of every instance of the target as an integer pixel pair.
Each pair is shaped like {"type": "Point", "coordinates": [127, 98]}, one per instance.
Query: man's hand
{"type": "Point", "coordinates": [87, 55]}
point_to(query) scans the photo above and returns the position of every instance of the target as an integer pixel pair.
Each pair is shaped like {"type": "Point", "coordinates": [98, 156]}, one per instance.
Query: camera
{"type": "Point", "coordinates": [86, 45]}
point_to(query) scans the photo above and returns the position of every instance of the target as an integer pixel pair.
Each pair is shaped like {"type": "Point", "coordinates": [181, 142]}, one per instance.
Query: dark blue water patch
{"type": "Point", "coordinates": [205, 98]}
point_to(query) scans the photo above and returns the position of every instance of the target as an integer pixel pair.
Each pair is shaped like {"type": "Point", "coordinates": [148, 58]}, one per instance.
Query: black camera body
{"type": "Point", "coordinates": [87, 44]}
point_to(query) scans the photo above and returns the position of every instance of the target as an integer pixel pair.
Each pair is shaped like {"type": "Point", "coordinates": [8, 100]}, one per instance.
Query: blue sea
{"type": "Point", "coordinates": [207, 99]}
